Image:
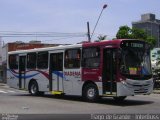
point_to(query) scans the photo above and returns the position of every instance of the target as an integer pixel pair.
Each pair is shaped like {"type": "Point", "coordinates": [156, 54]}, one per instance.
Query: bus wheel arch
{"type": "Point", "coordinates": [90, 91]}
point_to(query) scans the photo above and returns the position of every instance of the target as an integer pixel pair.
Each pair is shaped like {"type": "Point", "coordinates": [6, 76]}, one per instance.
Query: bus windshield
{"type": "Point", "coordinates": [135, 62]}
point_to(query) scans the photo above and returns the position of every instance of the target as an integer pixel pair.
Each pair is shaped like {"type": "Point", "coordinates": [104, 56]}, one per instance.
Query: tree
{"type": "Point", "coordinates": [138, 34]}
{"type": "Point", "coordinates": [123, 32]}
{"type": "Point", "coordinates": [102, 37]}
{"type": "Point", "coordinates": [126, 32]}
{"type": "Point", "coordinates": [151, 40]}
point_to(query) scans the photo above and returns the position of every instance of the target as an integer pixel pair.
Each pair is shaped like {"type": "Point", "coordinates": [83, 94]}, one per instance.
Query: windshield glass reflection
{"type": "Point", "coordinates": [135, 62]}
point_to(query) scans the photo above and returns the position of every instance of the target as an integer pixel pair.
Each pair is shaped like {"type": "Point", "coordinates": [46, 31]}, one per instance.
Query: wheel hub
{"type": "Point", "coordinates": [91, 93]}
{"type": "Point", "coordinates": [33, 89]}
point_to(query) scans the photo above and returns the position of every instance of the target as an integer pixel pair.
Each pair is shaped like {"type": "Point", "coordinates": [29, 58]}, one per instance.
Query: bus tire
{"type": "Point", "coordinates": [33, 88]}
{"type": "Point", "coordinates": [120, 98]}
{"type": "Point", "coordinates": [90, 93]}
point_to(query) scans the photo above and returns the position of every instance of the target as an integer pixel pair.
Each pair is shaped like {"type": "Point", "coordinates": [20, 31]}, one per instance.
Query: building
{"type": "Point", "coordinates": [151, 25]}
{"type": "Point", "coordinates": [18, 45]}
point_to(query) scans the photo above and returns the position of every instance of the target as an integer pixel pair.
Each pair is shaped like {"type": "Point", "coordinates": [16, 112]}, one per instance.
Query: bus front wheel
{"type": "Point", "coordinates": [90, 93]}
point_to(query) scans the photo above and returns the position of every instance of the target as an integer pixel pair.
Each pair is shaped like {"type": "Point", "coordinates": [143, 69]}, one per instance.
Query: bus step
{"type": "Point", "coordinates": [23, 89]}
{"type": "Point", "coordinates": [57, 92]}
{"type": "Point", "coordinates": [109, 94]}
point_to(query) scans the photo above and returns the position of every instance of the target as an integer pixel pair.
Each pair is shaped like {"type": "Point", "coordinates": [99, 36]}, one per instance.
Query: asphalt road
{"type": "Point", "coordinates": [20, 102]}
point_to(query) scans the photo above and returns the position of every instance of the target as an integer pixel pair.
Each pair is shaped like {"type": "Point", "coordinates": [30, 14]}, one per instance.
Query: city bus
{"type": "Point", "coordinates": [110, 68]}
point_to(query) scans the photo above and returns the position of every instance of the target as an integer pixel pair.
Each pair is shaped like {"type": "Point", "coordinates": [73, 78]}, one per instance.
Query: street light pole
{"type": "Point", "coordinates": [104, 6]}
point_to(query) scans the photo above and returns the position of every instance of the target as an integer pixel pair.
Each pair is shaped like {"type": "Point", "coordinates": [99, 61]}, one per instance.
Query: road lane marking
{"type": "Point", "coordinates": [11, 91]}
{"type": "Point", "coordinates": [1, 91]}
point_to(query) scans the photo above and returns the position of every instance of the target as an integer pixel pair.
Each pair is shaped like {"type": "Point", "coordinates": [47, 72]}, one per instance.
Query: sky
{"type": "Point", "coordinates": [70, 16]}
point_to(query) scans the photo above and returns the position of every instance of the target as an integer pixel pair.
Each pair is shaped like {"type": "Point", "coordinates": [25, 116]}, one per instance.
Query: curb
{"type": "Point", "coordinates": [2, 84]}
{"type": "Point", "coordinates": [156, 91]}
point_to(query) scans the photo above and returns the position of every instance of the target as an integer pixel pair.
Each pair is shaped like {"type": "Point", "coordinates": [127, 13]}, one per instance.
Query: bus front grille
{"type": "Point", "coordinates": [141, 90]}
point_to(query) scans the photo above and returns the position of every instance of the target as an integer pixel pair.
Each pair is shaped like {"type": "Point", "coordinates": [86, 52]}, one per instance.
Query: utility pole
{"type": "Point", "coordinates": [88, 32]}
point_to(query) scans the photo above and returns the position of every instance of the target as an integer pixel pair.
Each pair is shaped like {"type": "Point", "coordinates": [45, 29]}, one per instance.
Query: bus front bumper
{"type": "Point", "coordinates": [134, 87]}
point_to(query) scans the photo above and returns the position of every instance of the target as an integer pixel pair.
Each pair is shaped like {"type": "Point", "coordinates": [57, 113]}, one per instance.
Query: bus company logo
{"type": "Point", "coordinates": [72, 73]}
{"type": "Point", "coordinates": [90, 73]}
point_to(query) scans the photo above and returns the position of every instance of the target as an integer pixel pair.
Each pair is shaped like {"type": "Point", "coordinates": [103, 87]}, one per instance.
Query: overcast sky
{"type": "Point", "coordinates": [70, 16]}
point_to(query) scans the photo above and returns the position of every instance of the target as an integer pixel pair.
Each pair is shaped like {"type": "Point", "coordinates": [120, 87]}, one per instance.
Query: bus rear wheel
{"type": "Point", "coordinates": [90, 93]}
{"type": "Point", "coordinates": [33, 88]}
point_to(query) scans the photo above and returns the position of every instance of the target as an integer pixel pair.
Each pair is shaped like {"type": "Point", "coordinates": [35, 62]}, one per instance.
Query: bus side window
{"type": "Point", "coordinates": [42, 60]}
{"type": "Point", "coordinates": [72, 58]}
{"type": "Point", "coordinates": [13, 61]}
{"type": "Point", "coordinates": [91, 57]}
{"type": "Point", "coordinates": [31, 60]}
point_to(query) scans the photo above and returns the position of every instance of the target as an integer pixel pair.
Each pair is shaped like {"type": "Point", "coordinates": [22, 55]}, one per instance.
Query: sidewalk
{"type": "Point", "coordinates": [156, 91]}
{"type": "Point", "coordinates": [2, 84]}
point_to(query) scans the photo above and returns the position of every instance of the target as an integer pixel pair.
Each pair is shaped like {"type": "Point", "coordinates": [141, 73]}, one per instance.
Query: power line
{"type": "Point", "coordinates": [42, 34]}
{"type": "Point", "coordinates": [58, 39]}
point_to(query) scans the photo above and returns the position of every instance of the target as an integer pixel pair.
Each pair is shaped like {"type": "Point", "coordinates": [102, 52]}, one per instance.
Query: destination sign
{"type": "Point", "coordinates": [137, 45]}
{"type": "Point", "coordinates": [133, 44]}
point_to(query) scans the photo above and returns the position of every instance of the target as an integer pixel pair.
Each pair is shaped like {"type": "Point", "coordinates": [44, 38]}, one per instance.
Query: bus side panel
{"type": "Point", "coordinates": [41, 77]}
{"type": "Point", "coordinates": [93, 74]}
{"type": "Point", "coordinates": [100, 88]}
{"type": "Point", "coordinates": [13, 78]}
{"type": "Point", "coordinates": [72, 82]}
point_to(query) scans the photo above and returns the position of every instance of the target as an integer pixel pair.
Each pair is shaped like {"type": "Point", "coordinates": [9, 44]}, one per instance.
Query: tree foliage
{"type": "Point", "coordinates": [138, 34]}
{"type": "Point", "coordinates": [126, 32]}
{"type": "Point", "coordinates": [102, 37]}
{"type": "Point", "coordinates": [151, 40]}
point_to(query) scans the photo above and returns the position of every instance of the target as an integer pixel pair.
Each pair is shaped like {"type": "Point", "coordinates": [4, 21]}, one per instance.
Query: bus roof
{"type": "Point", "coordinates": [104, 42]}
{"type": "Point", "coordinates": [60, 47]}
{"type": "Point", "coordinates": [115, 42]}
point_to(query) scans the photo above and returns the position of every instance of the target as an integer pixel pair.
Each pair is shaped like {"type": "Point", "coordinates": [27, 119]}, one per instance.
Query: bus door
{"type": "Point", "coordinates": [109, 71]}
{"type": "Point", "coordinates": [56, 72]}
{"type": "Point", "coordinates": [22, 68]}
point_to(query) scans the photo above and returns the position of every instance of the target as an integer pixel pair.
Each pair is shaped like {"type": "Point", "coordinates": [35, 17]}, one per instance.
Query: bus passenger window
{"type": "Point", "coordinates": [72, 58]}
{"type": "Point", "coordinates": [42, 60]}
{"type": "Point", "coordinates": [13, 61]}
{"type": "Point", "coordinates": [91, 57]}
{"type": "Point", "coordinates": [31, 60]}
